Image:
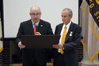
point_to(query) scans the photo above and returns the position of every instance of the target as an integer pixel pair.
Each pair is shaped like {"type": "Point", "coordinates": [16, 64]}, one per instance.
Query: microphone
{"type": "Point", "coordinates": [36, 27]}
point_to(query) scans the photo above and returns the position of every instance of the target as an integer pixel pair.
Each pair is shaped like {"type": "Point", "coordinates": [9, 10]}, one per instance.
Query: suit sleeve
{"type": "Point", "coordinates": [20, 32]}
{"type": "Point", "coordinates": [75, 41]}
{"type": "Point", "coordinates": [56, 30]}
{"type": "Point", "coordinates": [49, 31]}
{"type": "Point", "coordinates": [53, 51]}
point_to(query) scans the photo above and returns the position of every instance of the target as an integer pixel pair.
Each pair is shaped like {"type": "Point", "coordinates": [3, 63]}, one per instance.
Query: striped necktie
{"type": "Point", "coordinates": [34, 29]}
{"type": "Point", "coordinates": [63, 39]}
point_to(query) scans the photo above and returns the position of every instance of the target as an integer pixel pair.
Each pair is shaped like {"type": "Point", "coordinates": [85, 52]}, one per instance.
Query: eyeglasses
{"type": "Point", "coordinates": [33, 14]}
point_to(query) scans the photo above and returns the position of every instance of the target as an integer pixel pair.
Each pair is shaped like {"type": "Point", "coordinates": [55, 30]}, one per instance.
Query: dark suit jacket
{"type": "Point", "coordinates": [70, 46]}
{"type": "Point", "coordinates": [30, 55]}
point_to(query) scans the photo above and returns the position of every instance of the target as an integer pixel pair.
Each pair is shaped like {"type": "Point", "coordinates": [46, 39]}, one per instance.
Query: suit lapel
{"type": "Point", "coordinates": [59, 29]}
{"type": "Point", "coordinates": [70, 29]}
{"type": "Point", "coordinates": [31, 27]}
{"type": "Point", "coordinates": [40, 25]}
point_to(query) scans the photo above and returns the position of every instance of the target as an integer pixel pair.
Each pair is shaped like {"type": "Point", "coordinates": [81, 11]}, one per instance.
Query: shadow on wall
{"type": "Point", "coordinates": [17, 58]}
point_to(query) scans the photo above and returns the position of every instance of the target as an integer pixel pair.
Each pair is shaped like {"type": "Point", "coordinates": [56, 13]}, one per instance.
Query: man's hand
{"type": "Point", "coordinates": [20, 45]}
{"type": "Point", "coordinates": [38, 33]}
{"type": "Point", "coordinates": [52, 60]}
{"type": "Point", "coordinates": [58, 46]}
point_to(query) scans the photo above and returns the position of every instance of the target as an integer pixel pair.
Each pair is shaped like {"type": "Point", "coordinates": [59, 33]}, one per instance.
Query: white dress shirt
{"type": "Point", "coordinates": [37, 23]}
{"type": "Point", "coordinates": [68, 25]}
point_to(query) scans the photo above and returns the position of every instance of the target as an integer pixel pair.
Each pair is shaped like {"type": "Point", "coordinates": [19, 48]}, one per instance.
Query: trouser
{"type": "Point", "coordinates": [35, 64]}
{"type": "Point", "coordinates": [60, 60]}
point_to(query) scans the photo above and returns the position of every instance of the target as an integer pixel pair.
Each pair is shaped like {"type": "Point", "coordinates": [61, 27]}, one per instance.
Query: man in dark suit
{"type": "Point", "coordinates": [65, 52]}
{"type": "Point", "coordinates": [34, 56]}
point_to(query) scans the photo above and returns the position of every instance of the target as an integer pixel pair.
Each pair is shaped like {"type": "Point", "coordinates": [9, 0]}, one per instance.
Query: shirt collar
{"type": "Point", "coordinates": [68, 25]}
{"type": "Point", "coordinates": [37, 23]}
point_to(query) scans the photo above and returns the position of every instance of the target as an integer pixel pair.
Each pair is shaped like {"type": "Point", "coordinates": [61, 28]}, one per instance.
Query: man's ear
{"type": "Point", "coordinates": [40, 13]}
{"type": "Point", "coordinates": [71, 16]}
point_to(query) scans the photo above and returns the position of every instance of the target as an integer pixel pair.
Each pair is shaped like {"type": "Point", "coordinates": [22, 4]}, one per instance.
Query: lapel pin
{"type": "Point", "coordinates": [70, 33]}
{"type": "Point", "coordinates": [41, 25]}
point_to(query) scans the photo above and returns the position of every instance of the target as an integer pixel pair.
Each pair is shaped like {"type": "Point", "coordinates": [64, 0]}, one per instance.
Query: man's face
{"type": "Point", "coordinates": [65, 17]}
{"type": "Point", "coordinates": [35, 15]}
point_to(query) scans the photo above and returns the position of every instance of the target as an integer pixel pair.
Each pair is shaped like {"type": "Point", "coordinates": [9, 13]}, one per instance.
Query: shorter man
{"type": "Point", "coordinates": [65, 53]}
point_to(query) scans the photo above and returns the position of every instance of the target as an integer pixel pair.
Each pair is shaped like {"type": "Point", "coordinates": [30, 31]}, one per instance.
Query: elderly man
{"type": "Point", "coordinates": [34, 56]}
{"type": "Point", "coordinates": [65, 53]}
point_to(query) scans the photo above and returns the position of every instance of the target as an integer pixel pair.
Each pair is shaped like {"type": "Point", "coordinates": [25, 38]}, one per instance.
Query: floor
{"type": "Point", "coordinates": [48, 64]}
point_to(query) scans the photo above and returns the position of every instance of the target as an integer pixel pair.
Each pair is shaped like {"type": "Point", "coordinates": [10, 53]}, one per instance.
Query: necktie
{"type": "Point", "coordinates": [63, 39]}
{"type": "Point", "coordinates": [34, 29]}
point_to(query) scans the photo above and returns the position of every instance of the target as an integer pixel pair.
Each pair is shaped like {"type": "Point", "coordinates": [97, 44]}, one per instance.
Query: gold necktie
{"type": "Point", "coordinates": [63, 39]}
